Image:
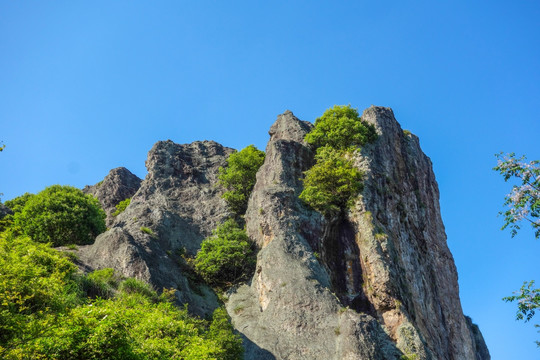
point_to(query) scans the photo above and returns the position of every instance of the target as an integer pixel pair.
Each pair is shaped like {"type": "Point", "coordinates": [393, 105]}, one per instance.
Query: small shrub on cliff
{"type": "Point", "coordinates": [226, 256]}
{"type": "Point", "coordinates": [61, 215]}
{"type": "Point", "coordinates": [121, 206]}
{"type": "Point", "coordinates": [341, 127]}
{"type": "Point", "coordinates": [239, 177]}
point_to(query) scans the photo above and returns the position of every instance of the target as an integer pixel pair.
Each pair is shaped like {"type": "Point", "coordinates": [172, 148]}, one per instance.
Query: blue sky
{"type": "Point", "coordinates": [86, 87]}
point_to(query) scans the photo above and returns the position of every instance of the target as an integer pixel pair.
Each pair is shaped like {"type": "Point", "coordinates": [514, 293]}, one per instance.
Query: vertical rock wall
{"type": "Point", "coordinates": [377, 284]}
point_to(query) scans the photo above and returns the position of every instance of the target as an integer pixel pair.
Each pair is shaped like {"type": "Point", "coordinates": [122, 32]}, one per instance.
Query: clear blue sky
{"type": "Point", "coordinates": [89, 86]}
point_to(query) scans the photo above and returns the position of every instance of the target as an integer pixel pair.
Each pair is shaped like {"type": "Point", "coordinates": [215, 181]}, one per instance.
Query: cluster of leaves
{"type": "Point", "coordinates": [528, 299]}
{"type": "Point", "coordinates": [121, 206]}
{"type": "Point", "coordinates": [48, 310]}
{"type": "Point", "coordinates": [331, 184]}
{"type": "Point", "coordinates": [239, 177]}
{"type": "Point", "coordinates": [59, 215]}
{"type": "Point", "coordinates": [524, 200]}
{"type": "Point", "coordinates": [225, 257]}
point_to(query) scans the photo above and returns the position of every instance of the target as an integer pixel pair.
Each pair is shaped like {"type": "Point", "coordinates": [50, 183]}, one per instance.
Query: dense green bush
{"type": "Point", "coordinates": [341, 127]}
{"type": "Point", "coordinates": [35, 280]}
{"type": "Point", "coordinates": [226, 256]}
{"type": "Point", "coordinates": [45, 315]}
{"type": "Point", "coordinates": [331, 184]}
{"type": "Point", "coordinates": [239, 177]}
{"type": "Point", "coordinates": [121, 206]}
{"type": "Point", "coordinates": [61, 215]}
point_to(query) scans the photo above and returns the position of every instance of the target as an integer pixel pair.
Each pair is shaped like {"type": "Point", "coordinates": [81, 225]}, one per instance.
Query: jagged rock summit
{"type": "Point", "coordinates": [380, 283]}
{"type": "Point", "coordinates": [117, 186]}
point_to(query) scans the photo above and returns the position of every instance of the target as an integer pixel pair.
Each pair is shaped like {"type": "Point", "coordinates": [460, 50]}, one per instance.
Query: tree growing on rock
{"type": "Point", "coordinates": [61, 215]}
{"type": "Point", "coordinates": [333, 182]}
{"type": "Point", "coordinates": [239, 177]}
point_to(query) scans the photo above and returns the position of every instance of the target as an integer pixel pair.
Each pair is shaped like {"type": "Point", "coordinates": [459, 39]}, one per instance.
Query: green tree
{"type": "Point", "coordinates": [523, 204]}
{"type": "Point", "coordinates": [331, 184]}
{"type": "Point", "coordinates": [238, 178]}
{"type": "Point", "coordinates": [341, 127]}
{"type": "Point", "coordinates": [226, 256]}
{"type": "Point", "coordinates": [61, 215]}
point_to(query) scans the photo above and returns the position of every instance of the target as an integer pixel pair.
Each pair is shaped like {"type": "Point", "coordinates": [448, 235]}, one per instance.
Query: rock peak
{"type": "Point", "coordinates": [289, 127]}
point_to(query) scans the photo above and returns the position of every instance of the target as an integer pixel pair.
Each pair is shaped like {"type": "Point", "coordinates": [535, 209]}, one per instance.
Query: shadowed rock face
{"type": "Point", "coordinates": [176, 207]}
{"type": "Point", "coordinates": [117, 186]}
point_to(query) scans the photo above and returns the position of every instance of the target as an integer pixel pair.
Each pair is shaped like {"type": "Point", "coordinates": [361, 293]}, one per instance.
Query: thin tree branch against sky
{"type": "Point", "coordinates": [87, 87]}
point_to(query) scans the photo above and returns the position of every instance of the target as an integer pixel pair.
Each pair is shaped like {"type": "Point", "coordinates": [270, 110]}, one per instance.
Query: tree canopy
{"type": "Point", "coordinates": [61, 215]}
{"type": "Point", "coordinates": [239, 177]}
{"type": "Point", "coordinates": [341, 127]}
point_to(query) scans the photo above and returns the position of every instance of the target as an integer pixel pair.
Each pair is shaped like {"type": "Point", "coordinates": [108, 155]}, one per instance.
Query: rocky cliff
{"type": "Point", "coordinates": [379, 283]}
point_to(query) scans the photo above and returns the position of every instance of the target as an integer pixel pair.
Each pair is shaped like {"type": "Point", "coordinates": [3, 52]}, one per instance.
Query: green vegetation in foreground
{"type": "Point", "coordinates": [121, 206]}
{"type": "Point", "coordinates": [333, 182]}
{"type": "Point", "coordinates": [50, 311]}
{"type": "Point", "coordinates": [225, 257]}
{"type": "Point", "coordinates": [59, 215]}
{"type": "Point", "coordinates": [238, 178]}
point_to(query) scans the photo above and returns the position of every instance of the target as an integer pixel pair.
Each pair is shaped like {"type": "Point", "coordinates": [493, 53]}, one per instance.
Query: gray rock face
{"type": "Point", "coordinates": [117, 186]}
{"type": "Point", "coordinates": [290, 310]}
{"type": "Point", "coordinates": [176, 207]}
{"type": "Point", "coordinates": [386, 260]}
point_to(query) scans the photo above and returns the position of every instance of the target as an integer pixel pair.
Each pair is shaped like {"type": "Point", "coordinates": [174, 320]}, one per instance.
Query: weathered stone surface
{"type": "Point", "coordinates": [289, 309]}
{"type": "Point", "coordinates": [479, 344]}
{"type": "Point", "coordinates": [180, 204]}
{"type": "Point", "coordinates": [117, 186]}
{"type": "Point", "coordinates": [386, 259]}
{"type": "Point", "coordinates": [409, 274]}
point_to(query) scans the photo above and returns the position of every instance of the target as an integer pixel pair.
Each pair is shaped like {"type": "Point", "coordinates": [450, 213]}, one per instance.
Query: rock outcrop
{"type": "Point", "coordinates": [176, 207]}
{"type": "Point", "coordinates": [117, 186]}
{"type": "Point", "coordinates": [377, 283]}
{"type": "Point", "coordinates": [386, 261]}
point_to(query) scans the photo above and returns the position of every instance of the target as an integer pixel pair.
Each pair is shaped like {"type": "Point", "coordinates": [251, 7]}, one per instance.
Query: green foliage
{"type": "Point", "coordinates": [239, 177]}
{"type": "Point", "coordinates": [226, 256]}
{"type": "Point", "coordinates": [17, 204]}
{"type": "Point", "coordinates": [61, 215]}
{"type": "Point", "coordinates": [121, 206]}
{"type": "Point", "coordinates": [341, 127]}
{"type": "Point", "coordinates": [43, 315]}
{"type": "Point", "coordinates": [524, 200]}
{"type": "Point", "coordinates": [100, 284]}
{"type": "Point", "coordinates": [146, 230]}
{"type": "Point", "coordinates": [528, 299]}
{"type": "Point", "coordinates": [134, 286]}
{"type": "Point", "coordinates": [331, 184]}
{"type": "Point", "coordinates": [35, 281]}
